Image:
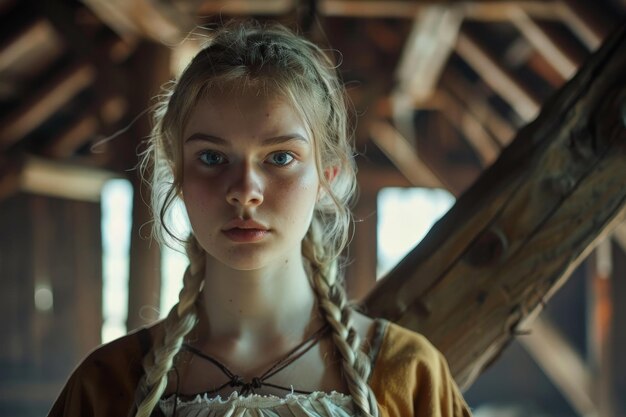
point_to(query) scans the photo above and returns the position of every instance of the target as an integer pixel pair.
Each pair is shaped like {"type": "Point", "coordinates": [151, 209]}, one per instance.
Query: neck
{"type": "Point", "coordinates": [257, 305]}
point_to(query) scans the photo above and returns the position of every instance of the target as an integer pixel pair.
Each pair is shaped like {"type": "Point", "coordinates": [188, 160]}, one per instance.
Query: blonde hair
{"type": "Point", "coordinates": [275, 61]}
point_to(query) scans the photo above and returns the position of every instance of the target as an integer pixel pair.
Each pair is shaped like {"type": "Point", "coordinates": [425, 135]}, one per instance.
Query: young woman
{"type": "Point", "coordinates": [254, 139]}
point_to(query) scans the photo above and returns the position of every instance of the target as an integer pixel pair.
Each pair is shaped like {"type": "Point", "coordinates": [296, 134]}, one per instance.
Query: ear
{"type": "Point", "coordinates": [330, 174]}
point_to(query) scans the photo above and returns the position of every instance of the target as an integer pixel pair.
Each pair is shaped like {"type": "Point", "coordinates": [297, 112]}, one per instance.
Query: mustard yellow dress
{"type": "Point", "coordinates": [409, 377]}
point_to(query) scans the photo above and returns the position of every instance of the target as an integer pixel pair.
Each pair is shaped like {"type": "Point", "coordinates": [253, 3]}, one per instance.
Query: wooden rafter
{"type": "Point", "coordinates": [562, 364]}
{"type": "Point", "coordinates": [518, 233]}
{"type": "Point", "coordinates": [620, 236]}
{"type": "Point", "coordinates": [33, 44]}
{"type": "Point", "coordinates": [23, 55]}
{"type": "Point", "coordinates": [46, 177]}
{"type": "Point", "coordinates": [245, 7]}
{"type": "Point", "coordinates": [478, 10]}
{"type": "Point", "coordinates": [497, 77]}
{"type": "Point", "coordinates": [160, 21]}
{"type": "Point", "coordinates": [424, 56]}
{"type": "Point", "coordinates": [591, 34]}
{"type": "Point", "coordinates": [426, 51]}
{"type": "Point", "coordinates": [486, 148]}
{"type": "Point", "coordinates": [476, 103]}
{"type": "Point", "coordinates": [37, 109]}
{"type": "Point", "coordinates": [544, 43]}
{"type": "Point", "coordinates": [403, 155]}
{"type": "Point", "coordinates": [95, 120]}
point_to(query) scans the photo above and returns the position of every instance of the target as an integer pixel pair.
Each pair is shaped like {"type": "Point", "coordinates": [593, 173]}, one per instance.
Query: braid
{"type": "Point", "coordinates": [180, 320]}
{"type": "Point", "coordinates": [338, 312]}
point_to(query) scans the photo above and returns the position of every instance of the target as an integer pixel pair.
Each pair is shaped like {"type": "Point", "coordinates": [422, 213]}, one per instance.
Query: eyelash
{"type": "Point", "coordinates": [223, 159]}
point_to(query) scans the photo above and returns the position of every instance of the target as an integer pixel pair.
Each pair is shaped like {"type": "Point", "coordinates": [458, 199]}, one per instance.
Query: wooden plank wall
{"type": "Point", "coordinates": [46, 242]}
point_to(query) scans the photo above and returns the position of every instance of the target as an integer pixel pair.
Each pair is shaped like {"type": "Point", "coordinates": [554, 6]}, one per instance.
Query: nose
{"type": "Point", "coordinates": [245, 188]}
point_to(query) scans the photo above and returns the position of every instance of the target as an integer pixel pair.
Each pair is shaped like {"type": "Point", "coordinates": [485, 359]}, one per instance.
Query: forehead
{"type": "Point", "coordinates": [251, 112]}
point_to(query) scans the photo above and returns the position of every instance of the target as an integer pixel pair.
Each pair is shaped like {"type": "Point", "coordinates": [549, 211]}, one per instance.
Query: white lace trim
{"type": "Point", "coordinates": [316, 404]}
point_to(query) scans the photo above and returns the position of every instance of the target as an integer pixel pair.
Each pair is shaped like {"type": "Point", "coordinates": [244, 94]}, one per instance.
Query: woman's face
{"type": "Point", "coordinates": [250, 181]}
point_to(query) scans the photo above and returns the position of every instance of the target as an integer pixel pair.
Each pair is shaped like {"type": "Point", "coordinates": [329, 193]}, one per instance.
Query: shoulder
{"type": "Point", "coordinates": [403, 344]}
{"type": "Point", "coordinates": [120, 356]}
{"type": "Point", "coordinates": [107, 377]}
{"type": "Point", "coordinates": [411, 377]}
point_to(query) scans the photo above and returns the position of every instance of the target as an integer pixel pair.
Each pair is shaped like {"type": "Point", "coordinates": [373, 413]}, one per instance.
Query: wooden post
{"type": "Point", "coordinates": [361, 276]}
{"type": "Point", "coordinates": [618, 340]}
{"type": "Point", "coordinates": [600, 317]}
{"type": "Point", "coordinates": [517, 234]}
{"type": "Point", "coordinates": [145, 256]}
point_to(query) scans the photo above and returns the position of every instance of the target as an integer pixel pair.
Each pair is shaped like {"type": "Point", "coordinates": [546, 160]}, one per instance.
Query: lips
{"type": "Point", "coordinates": [245, 231]}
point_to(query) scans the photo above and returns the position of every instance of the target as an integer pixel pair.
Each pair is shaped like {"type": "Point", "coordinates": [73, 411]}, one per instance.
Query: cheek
{"type": "Point", "coordinates": [297, 197]}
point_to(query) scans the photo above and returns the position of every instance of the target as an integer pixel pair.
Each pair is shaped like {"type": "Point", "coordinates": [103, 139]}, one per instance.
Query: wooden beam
{"type": "Point", "coordinates": [562, 364]}
{"type": "Point", "coordinates": [497, 77]}
{"type": "Point", "coordinates": [11, 166]}
{"type": "Point", "coordinates": [517, 234]}
{"type": "Point", "coordinates": [619, 236]}
{"type": "Point", "coordinates": [372, 179]}
{"type": "Point", "coordinates": [500, 11]}
{"type": "Point", "coordinates": [576, 17]}
{"type": "Point", "coordinates": [98, 119]}
{"type": "Point", "coordinates": [46, 177]}
{"type": "Point", "coordinates": [37, 109]}
{"type": "Point", "coordinates": [543, 43]}
{"type": "Point", "coordinates": [485, 147]}
{"type": "Point", "coordinates": [478, 10]}
{"type": "Point", "coordinates": [245, 7]}
{"type": "Point", "coordinates": [424, 56]}
{"type": "Point", "coordinates": [426, 51]}
{"type": "Point", "coordinates": [25, 52]}
{"type": "Point", "coordinates": [403, 155]}
{"type": "Point", "coordinates": [599, 326]}
{"type": "Point", "coordinates": [475, 101]}
{"type": "Point", "coordinates": [159, 21]}
{"type": "Point", "coordinates": [486, 10]}
{"type": "Point", "coordinates": [361, 275]}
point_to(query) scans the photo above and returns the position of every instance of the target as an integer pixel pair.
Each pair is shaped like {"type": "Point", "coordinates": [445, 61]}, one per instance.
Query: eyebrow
{"type": "Point", "coordinates": [265, 142]}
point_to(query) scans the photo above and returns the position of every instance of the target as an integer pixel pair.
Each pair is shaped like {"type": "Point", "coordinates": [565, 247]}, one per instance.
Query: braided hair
{"type": "Point", "coordinates": [276, 60]}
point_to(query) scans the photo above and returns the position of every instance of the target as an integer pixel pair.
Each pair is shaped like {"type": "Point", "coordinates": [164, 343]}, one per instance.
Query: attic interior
{"type": "Point", "coordinates": [471, 99]}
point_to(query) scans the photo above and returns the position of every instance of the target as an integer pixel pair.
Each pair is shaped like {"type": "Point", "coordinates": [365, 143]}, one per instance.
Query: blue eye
{"type": "Point", "coordinates": [212, 158]}
{"type": "Point", "coordinates": [281, 158]}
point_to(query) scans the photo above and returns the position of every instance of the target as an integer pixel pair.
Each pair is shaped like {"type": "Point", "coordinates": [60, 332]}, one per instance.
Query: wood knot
{"type": "Point", "coordinates": [488, 249]}
{"type": "Point", "coordinates": [562, 185]}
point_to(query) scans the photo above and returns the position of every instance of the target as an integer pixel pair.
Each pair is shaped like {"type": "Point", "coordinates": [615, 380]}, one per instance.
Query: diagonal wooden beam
{"type": "Point", "coordinates": [425, 53]}
{"type": "Point", "coordinates": [573, 14]}
{"type": "Point", "coordinates": [37, 42]}
{"type": "Point", "coordinates": [98, 119]}
{"type": "Point", "coordinates": [157, 20]}
{"type": "Point", "coordinates": [518, 233]}
{"type": "Point", "coordinates": [543, 43]}
{"type": "Point", "coordinates": [562, 364]}
{"type": "Point", "coordinates": [475, 101]}
{"type": "Point", "coordinates": [427, 50]}
{"type": "Point", "coordinates": [485, 147]}
{"type": "Point", "coordinates": [403, 155]}
{"type": "Point", "coordinates": [619, 235]}
{"type": "Point", "coordinates": [37, 109]}
{"type": "Point", "coordinates": [497, 77]}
